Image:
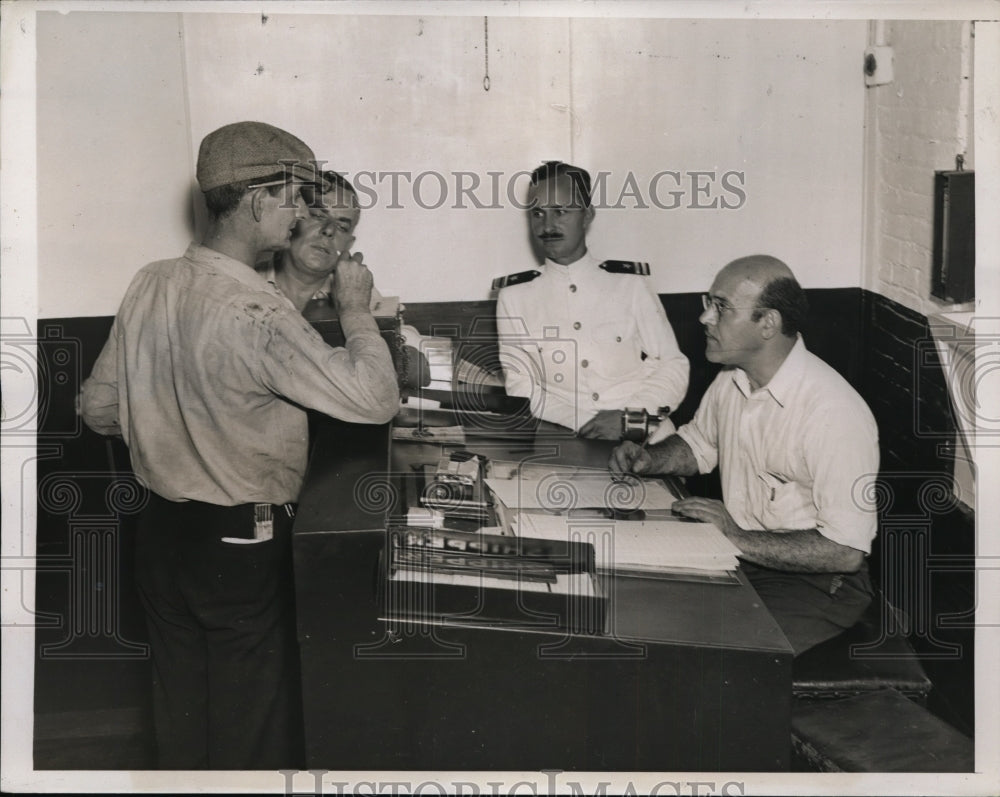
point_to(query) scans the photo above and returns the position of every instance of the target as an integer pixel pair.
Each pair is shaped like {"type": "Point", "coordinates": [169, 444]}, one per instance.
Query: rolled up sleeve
{"type": "Point", "coordinates": [842, 455]}
{"type": "Point", "coordinates": [702, 432]}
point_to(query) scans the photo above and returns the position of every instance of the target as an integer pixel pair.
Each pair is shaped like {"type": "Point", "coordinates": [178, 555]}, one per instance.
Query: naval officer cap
{"type": "Point", "coordinates": [250, 151]}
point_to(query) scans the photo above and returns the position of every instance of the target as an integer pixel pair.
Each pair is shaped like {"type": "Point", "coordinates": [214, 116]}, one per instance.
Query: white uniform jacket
{"type": "Point", "coordinates": [577, 340]}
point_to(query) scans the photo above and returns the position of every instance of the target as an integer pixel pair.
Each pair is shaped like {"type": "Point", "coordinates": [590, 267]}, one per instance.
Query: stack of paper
{"type": "Point", "coordinates": [646, 546]}
{"type": "Point", "coordinates": [562, 490]}
{"type": "Point", "coordinates": [383, 306]}
{"type": "Point", "coordinates": [438, 352]}
{"type": "Point", "coordinates": [472, 374]}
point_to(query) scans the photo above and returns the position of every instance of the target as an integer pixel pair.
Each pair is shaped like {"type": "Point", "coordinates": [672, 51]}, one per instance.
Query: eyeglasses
{"type": "Point", "coordinates": [721, 306]}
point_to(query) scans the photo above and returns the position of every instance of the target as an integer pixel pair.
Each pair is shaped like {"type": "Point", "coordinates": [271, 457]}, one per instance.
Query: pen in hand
{"type": "Point", "coordinates": [625, 475]}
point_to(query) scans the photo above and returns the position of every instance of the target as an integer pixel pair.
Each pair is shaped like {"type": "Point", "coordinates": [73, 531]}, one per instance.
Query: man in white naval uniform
{"type": "Point", "coordinates": [583, 338]}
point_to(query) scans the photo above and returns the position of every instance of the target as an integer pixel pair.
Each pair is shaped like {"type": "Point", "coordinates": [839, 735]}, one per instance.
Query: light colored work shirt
{"type": "Point", "coordinates": [270, 273]}
{"type": "Point", "coordinates": [577, 340]}
{"type": "Point", "coordinates": [206, 375]}
{"type": "Point", "coordinates": [799, 453]}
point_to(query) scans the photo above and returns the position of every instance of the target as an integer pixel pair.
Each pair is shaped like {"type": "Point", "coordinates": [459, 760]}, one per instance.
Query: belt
{"type": "Point", "coordinates": [246, 521]}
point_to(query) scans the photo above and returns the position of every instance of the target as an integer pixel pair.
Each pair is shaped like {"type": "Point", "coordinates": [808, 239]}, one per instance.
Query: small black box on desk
{"type": "Point", "coordinates": [388, 318]}
{"type": "Point", "coordinates": [487, 579]}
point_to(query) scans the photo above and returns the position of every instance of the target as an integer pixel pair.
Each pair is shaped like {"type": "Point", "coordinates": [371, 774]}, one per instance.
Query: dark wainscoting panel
{"type": "Point", "coordinates": [924, 559]}
{"type": "Point", "coordinates": [92, 673]}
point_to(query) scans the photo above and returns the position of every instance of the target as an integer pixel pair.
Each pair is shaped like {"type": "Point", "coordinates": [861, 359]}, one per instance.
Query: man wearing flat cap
{"type": "Point", "coordinates": [207, 375]}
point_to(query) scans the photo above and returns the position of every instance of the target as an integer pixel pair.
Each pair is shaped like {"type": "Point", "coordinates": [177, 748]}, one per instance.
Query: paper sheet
{"type": "Point", "coordinates": [578, 584]}
{"type": "Point", "coordinates": [637, 545]}
{"type": "Point", "coordinates": [560, 490]}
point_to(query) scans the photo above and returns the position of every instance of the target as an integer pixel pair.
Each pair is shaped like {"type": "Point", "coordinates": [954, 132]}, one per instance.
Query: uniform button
{"type": "Point", "coordinates": [595, 396]}
{"type": "Point", "coordinates": [618, 339]}
{"type": "Point", "coordinates": [584, 363]}
{"type": "Point", "coordinates": [573, 288]}
{"type": "Point", "coordinates": [576, 325]}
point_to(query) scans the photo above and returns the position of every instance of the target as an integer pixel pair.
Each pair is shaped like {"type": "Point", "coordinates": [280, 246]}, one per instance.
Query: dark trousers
{"type": "Point", "coordinates": [221, 621]}
{"type": "Point", "coordinates": [811, 607]}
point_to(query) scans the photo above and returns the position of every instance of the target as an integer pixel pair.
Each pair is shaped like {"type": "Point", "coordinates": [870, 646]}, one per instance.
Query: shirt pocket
{"type": "Point", "coordinates": [787, 505]}
{"type": "Point", "coordinates": [615, 348]}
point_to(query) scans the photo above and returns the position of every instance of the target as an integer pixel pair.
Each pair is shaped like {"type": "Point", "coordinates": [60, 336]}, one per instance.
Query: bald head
{"type": "Point", "coordinates": [758, 269]}
{"type": "Point", "coordinates": [778, 289]}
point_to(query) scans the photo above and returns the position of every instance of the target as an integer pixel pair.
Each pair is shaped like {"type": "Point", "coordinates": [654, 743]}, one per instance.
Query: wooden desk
{"type": "Point", "coordinates": [691, 676]}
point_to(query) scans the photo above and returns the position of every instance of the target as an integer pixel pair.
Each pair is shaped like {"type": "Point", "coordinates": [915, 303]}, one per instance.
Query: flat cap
{"type": "Point", "coordinates": [250, 151]}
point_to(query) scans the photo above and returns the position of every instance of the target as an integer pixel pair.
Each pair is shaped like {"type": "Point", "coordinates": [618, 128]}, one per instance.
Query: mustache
{"type": "Point", "coordinates": [550, 236]}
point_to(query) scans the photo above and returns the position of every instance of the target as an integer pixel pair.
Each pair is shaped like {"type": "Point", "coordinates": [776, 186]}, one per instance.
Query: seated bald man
{"type": "Point", "coordinates": [796, 448]}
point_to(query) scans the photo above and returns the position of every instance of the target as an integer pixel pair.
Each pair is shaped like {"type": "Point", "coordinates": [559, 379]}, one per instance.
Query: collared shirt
{"type": "Point", "coordinates": [206, 374]}
{"type": "Point", "coordinates": [801, 452]}
{"type": "Point", "coordinates": [270, 273]}
{"type": "Point", "coordinates": [577, 340]}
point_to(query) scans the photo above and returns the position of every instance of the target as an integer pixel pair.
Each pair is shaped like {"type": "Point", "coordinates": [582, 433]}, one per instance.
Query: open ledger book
{"type": "Point", "coordinates": [646, 547]}
{"type": "Point", "coordinates": [572, 505]}
{"type": "Point", "coordinates": [566, 488]}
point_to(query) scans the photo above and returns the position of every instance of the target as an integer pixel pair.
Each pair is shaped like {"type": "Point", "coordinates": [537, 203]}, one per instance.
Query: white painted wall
{"type": "Point", "coordinates": [782, 102]}
{"type": "Point", "coordinates": [114, 155]}
{"type": "Point", "coordinates": [383, 94]}
{"type": "Point", "coordinates": [920, 122]}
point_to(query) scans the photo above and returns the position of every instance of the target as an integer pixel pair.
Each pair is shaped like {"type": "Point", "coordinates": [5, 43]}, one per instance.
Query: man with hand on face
{"type": "Point", "coordinates": [583, 338]}
{"type": "Point", "coordinates": [304, 271]}
{"type": "Point", "coordinates": [797, 451]}
{"type": "Point", "coordinates": [207, 375]}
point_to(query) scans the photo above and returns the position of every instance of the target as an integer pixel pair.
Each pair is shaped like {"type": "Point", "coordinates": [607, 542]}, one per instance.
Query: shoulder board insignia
{"type": "Point", "coordinates": [515, 279]}
{"type": "Point", "coordinates": [625, 267]}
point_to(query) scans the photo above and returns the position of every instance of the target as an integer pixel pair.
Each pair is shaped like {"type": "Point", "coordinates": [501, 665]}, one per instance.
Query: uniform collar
{"type": "Point", "coordinates": [788, 375]}
{"type": "Point", "coordinates": [587, 262]}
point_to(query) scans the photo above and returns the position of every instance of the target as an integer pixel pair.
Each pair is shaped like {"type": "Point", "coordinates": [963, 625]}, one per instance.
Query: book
{"type": "Point", "coordinates": [649, 546]}
{"type": "Point", "coordinates": [484, 578]}
{"type": "Point", "coordinates": [560, 489]}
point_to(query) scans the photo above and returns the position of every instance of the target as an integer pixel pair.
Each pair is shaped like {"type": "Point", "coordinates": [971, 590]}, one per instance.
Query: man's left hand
{"type": "Point", "coordinates": [606, 425]}
{"type": "Point", "coordinates": [707, 510]}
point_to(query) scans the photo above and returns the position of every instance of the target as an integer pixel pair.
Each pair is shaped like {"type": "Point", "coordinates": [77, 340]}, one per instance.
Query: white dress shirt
{"type": "Point", "coordinates": [800, 452]}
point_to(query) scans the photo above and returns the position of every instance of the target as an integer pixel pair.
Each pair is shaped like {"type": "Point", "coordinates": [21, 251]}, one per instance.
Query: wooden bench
{"type": "Point", "coordinates": [863, 659]}
{"type": "Point", "coordinates": [880, 731]}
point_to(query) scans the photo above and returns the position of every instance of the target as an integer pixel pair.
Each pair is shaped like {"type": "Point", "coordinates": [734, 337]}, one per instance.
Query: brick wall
{"type": "Point", "coordinates": [918, 124]}
{"type": "Point", "coordinates": [921, 122]}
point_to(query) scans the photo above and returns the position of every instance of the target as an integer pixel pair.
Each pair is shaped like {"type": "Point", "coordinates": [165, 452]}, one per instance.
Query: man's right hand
{"type": "Point", "coordinates": [352, 284]}
{"type": "Point", "coordinates": [629, 457]}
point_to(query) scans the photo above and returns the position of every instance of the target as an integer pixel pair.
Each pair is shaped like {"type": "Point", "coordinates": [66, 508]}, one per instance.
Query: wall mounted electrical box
{"type": "Point", "coordinates": [878, 65]}
{"type": "Point", "coordinates": [953, 271]}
